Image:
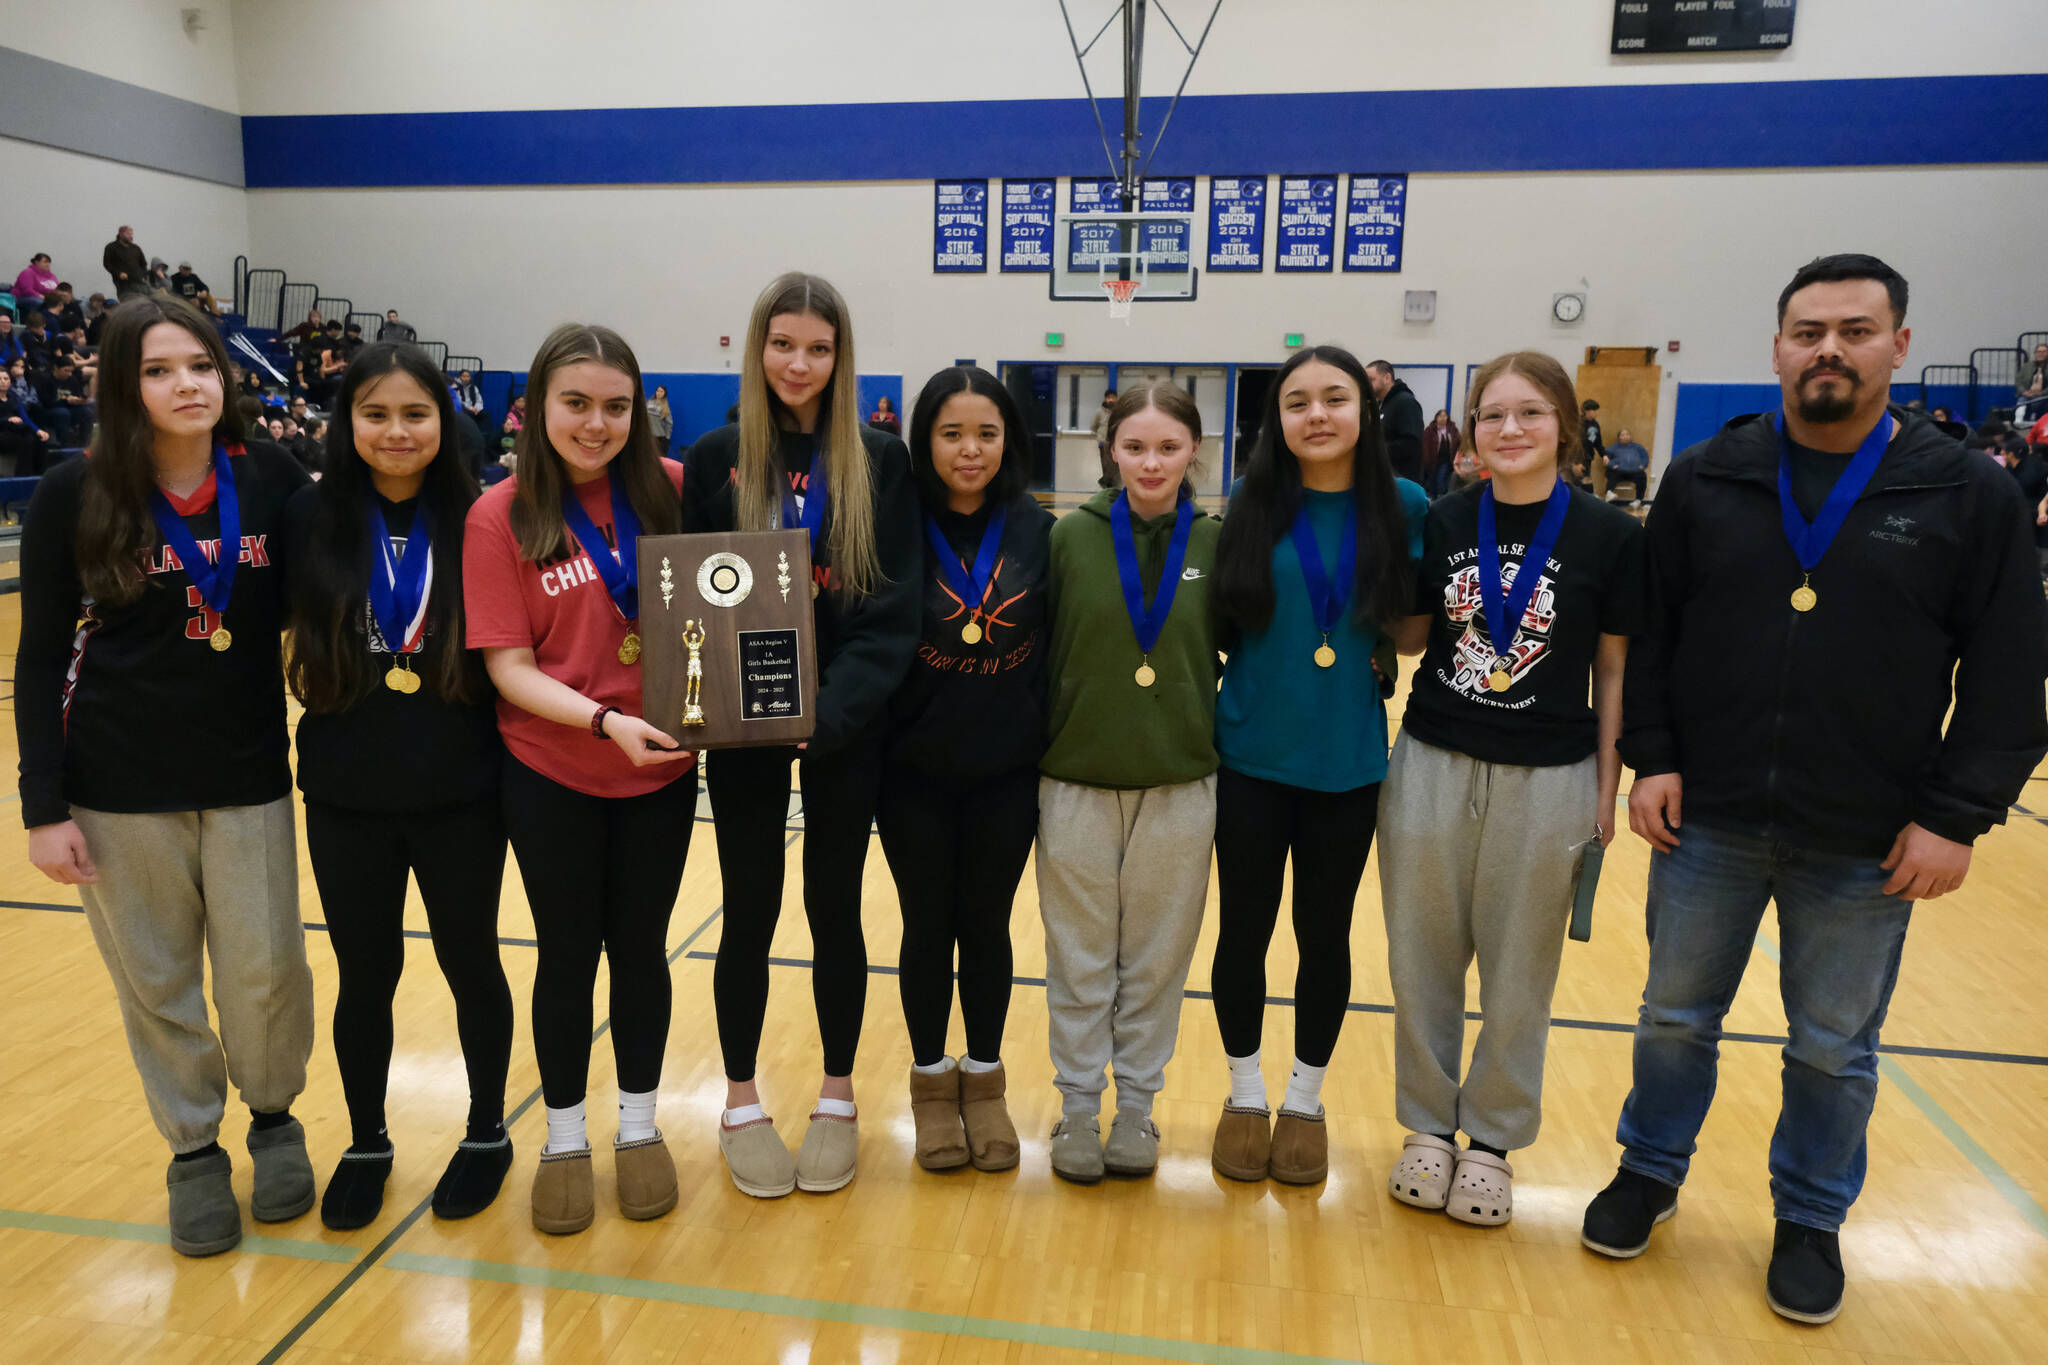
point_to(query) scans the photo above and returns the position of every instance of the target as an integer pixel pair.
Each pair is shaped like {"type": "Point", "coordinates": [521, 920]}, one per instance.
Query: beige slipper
{"type": "Point", "coordinates": [935, 1110]}
{"type": "Point", "coordinates": [564, 1192]}
{"type": "Point", "coordinates": [991, 1137]}
{"type": "Point", "coordinates": [826, 1161]}
{"type": "Point", "coordinates": [756, 1159]}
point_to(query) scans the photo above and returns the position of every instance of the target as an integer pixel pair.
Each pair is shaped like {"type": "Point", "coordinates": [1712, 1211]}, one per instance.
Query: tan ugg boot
{"type": "Point", "coordinates": [935, 1108]}
{"type": "Point", "coordinates": [647, 1177]}
{"type": "Point", "coordinates": [991, 1137]}
{"type": "Point", "coordinates": [1244, 1143]}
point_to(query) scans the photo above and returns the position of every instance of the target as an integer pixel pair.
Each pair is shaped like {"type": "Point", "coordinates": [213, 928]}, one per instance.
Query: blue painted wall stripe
{"type": "Point", "coordinates": [1935, 120]}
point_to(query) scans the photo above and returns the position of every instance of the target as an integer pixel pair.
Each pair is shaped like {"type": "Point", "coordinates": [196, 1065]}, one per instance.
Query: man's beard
{"type": "Point", "coordinates": [1828, 406]}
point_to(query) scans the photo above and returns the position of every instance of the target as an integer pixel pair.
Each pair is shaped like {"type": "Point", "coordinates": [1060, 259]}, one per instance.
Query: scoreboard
{"type": "Point", "coordinates": [1702, 25]}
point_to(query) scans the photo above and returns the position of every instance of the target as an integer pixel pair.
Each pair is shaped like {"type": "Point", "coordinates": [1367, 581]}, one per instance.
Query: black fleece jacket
{"type": "Point", "coordinates": [1824, 728]}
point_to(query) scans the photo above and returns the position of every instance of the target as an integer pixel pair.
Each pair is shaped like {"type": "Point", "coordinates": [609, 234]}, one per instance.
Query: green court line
{"type": "Point", "coordinates": [150, 1232]}
{"type": "Point", "coordinates": [2010, 1190]}
{"type": "Point", "coordinates": [865, 1315]}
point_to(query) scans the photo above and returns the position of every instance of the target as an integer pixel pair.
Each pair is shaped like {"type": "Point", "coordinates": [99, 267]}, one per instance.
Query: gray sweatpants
{"type": "Point", "coordinates": [176, 889]}
{"type": "Point", "coordinates": [1476, 858]}
{"type": "Point", "coordinates": [1122, 880]}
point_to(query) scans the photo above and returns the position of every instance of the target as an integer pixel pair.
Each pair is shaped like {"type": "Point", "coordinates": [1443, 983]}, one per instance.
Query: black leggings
{"type": "Point", "coordinates": [957, 853]}
{"type": "Point", "coordinates": [360, 860]}
{"type": "Point", "coordinates": [750, 801]}
{"type": "Point", "coordinates": [601, 876]}
{"type": "Point", "coordinates": [1330, 833]}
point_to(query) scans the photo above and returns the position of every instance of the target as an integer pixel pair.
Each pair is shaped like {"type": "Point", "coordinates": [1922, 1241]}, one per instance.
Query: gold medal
{"type": "Point", "coordinates": [1500, 680]}
{"type": "Point", "coordinates": [971, 633]}
{"type": "Point", "coordinates": [1145, 676]}
{"type": "Point", "coordinates": [1325, 656]}
{"type": "Point", "coordinates": [412, 682]}
{"type": "Point", "coordinates": [220, 640]}
{"type": "Point", "coordinates": [629, 649]}
{"type": "Point", "coordinates": [1804, 598]}
{"type": "Point", "coordinates": [396, 679]}
{"type": "Point", "coordinates": [814, 589]}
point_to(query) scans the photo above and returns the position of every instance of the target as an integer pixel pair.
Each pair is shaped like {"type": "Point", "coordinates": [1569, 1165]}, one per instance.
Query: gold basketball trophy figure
{"type": "Point", "coordinates": [693, 688]}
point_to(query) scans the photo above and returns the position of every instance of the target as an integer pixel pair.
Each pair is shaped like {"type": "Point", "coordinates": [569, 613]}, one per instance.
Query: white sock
{"type": "Point", "coordinates": [978, 1068]}
{"type": "Point", "coordinates": [1247, 1082]}
{"type": "Point", "coordinates": [938, 1068]}
{"type": "Point", "coordinates": [839, 1108]}
{"type": "Point", "coordinates": [746, 1113]}
{"type": "Point", "coordinates": [565, 1129]}
{"type": "Point", "coordinates": [636, 1116]}
{"type": "Point", "coordinates": [1305, 1088]}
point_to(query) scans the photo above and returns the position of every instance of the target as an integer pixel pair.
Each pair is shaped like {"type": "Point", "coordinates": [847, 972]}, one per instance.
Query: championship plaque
{"type": "Point", "coordinates": [728, 658]}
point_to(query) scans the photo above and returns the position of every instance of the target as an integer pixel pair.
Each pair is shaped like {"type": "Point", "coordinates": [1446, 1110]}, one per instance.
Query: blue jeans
{"type": "Point", "coordinates": [1841, 938]}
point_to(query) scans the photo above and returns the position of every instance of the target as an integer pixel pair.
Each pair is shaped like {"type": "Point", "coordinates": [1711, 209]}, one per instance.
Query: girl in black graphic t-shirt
{"type": "Point", "coordinates": [399, 759]}
{"type": "Point", "coordinates": [150, 716]}
{"type": "Point", "coordinates": [1502, 775]}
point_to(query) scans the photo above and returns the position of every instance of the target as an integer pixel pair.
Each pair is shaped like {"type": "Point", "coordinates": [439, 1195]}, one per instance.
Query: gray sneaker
{"type": "Point", "coordinates": [1133, 1147]}
{"type": "Point", "coordinates": [204, 1218]}
{"type": "Point", "coordinates": [1077, 1149]}
{"type": "Point", "coordinates": [284, 1175]}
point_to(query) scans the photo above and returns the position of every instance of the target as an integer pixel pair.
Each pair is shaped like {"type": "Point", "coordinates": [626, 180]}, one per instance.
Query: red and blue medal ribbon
{"type": "Point", "coordinates": [1504, 610]}
{"type": "Point", "coordinates": [619, 569]}
{"type": "Point", "coordinates": [1326, 596]}
{"type": "Point", "coordinates": [971, 586]}
{"type": "Point", "coordinates": [1148, 621]}
{"type": "Point", "coordinates": [215, 581]}
{"type": "Point", "coordinates": [398, 580]}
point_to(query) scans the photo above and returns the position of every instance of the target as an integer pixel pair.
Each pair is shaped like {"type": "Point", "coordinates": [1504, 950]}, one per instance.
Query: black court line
{"type": "Point", "coordinates": [1585, 1025]}
{"type": "Point", "coordinates": [391, 1239]}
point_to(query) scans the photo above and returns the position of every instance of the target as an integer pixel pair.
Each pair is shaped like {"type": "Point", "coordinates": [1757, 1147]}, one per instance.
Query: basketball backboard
{"type": "Point", "coordinates": [1143, 257]}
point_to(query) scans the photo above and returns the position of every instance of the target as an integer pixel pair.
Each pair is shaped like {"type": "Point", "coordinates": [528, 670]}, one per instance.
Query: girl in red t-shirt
{"type": "Point", "coordinates": [599, 803]}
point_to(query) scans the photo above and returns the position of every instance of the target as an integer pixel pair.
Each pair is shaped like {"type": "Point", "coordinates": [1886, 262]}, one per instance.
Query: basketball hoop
{"type": "Point", "coordinates": [1121, 292]}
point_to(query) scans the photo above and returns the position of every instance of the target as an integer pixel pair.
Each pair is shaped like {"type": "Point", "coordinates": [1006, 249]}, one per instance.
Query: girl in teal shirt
{"type": "Point", "coordinates": [1315, 560]}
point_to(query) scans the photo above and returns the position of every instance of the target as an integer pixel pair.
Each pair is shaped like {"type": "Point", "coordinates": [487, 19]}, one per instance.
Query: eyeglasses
{"type": "Point", "coordinates": [1525, 415]}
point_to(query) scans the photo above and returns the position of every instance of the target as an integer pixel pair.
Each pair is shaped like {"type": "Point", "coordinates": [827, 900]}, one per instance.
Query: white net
{"type": "Point", "coordinates": [1121, 292]}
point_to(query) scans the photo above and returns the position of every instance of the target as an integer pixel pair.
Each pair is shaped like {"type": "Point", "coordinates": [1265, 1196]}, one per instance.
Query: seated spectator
{"type": "Point", "coordinates": [884, 417]}
{"type": "Point", "coordinates": [74, 344]}
{"type": "Point", "coordinates": [276, 425]}
{"type": "Point", "coordinates": [1941, 413]}
{"type": "Point", "coordinates": [255, 417]}
{"type": "Point", "coordinates": [160, 275]}
{"type": "Point", "coordinates": [327, 369]}
{"type": "Point", "coordinates": [515, 418]}
{"type": "Point", "coordinates": [66, 409]}
{"type": "Point", "coordinates": [23, 440]}
{"type": "Point", "coordinates": [2033, 377]}
{"type": "Point", "coordinates": [2030, 471]}
{"type": "Point", "coordinates": [193, 290]}
{"type": "Point", "coordinates": [300, 409]}
{"type": "Point", "coordinates": [35, 341]}
{"type": "Point", "coordinates": [61, 311]}
{"type": "Point", "coordinates": [10, 341]}
{"type": "Point", "coordinates": [352, 341]}
{"type": "Point", "coordinates": [313, 324]}
{"type": "Point", "coordinates": [1628, 463]}
{"type": "Point", "coordinates": [469, 399]}
{"type": "Point", "coordinates": [316, 446]}
{"type": "Point", "coordinates": [96, 311]}
{"type": "Point", "coordinates": [394, 330]}
{"type": "Point", "coordinates": [125, 265]}
{"type": "Point", "coordinates": [34, 282]}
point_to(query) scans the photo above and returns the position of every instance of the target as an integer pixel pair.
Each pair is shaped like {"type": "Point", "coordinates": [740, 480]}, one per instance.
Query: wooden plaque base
{"type": "Point", "coordinates": [750, 594]}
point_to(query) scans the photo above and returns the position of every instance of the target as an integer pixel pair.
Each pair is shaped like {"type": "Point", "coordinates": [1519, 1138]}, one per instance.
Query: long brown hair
{"type": "Point", "coordinates": [760, 477]}
{"type": "Point", "coordinates": [542, 477]}
{"type": "Point", "coordinates": [115, 530]}
{"type": "Point", "coordinates": [1549, 379]}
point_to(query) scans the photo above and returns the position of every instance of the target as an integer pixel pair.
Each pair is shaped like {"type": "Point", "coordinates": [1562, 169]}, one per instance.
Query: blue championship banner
{"type": "Point", "coordinates": [960, 227]}
{"type": "Point", "coordinates": [1170, 245]}
{"type": "Point", "coordinates": [1028, 207]}
{"type": "Point", "coordinates": [1372, 222]}
{"type": "Point", "coordinates": [1308, 224]}
{"type": "Point", "coordinates": [1237, 222]}
{"type": "Point", "coordinates": [1086, 242]}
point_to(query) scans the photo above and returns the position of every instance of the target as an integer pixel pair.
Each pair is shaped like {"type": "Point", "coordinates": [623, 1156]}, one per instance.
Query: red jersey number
{"type": "Point", "coordinates": [202, 626]}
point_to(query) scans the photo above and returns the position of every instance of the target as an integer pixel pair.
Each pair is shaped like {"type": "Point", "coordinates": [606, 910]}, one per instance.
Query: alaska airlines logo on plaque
{"type": "Point", "coordinates": [730, 658]}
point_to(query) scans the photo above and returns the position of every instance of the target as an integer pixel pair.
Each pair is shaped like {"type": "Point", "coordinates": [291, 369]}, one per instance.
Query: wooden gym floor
{"type": "Point", "coordinates": [1947, 1253]}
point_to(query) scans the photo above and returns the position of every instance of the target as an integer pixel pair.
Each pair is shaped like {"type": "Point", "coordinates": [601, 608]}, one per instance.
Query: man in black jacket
{"type": "Point", "coordinates": [1787, 704]}
{"type": "Point", "coordinates": [1400, 420]}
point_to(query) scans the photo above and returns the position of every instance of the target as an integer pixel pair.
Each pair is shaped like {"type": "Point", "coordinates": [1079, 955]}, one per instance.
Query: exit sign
{"type": "Point", "coordinates": [1055, 338]}
{"type": "Point", "coordinates": [1293, 340]}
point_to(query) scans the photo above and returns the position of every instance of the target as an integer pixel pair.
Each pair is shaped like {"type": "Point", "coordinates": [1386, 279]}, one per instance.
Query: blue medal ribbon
{"type": "Point", "coordinates": [1811, 540]}
{"type": "Point", "coordinates": [1504, 609]}
{"type": "Point", "coordinates": [1146, 621]}
{"type": "Point", "coordinates": [621, 570]}
{"type": "Point", "coordinates": [1326, 597]}
{"type": "Point", "coordinates": [215, 581]}
{"type": "Point", "coordinates": [398, 582]}
{"type": "Point", "coordinates": [813, 515]}
{"type": "Point", "coordinates": [971, 586]}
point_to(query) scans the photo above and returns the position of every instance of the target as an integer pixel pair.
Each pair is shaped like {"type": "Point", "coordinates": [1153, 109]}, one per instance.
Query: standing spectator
{"type": "Point", "coordinates": [1440, 441]}
{"type": "Point", "coordinates": [394, 330]}
{"type": "Point", "coordinates": [126, 265]}
{"type": "Point", "coordinates": [1400, 420]}
{"type": "Point", "coordinates": [1785, 544]}
{"type": "Point", "coordinates": [34, 282]}
{"type": "Point", "coordinates": [884, 417]}
{"type": "Point", "coordinates": [1590, 471]}
{"type": "Point", "coordinates": [470, 399]}
{"type": "Point", "coordinates": [193, 290]}
{"type": "Point", "coordinates": [1629, 463]}
{"type": "Point", "coordinates": [1099, 425]}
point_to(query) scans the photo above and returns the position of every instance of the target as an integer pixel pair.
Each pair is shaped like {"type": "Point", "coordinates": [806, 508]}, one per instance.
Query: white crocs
{"type": "Point", "coordinates": [1482, 1190]}
{"type": "Point", "coordinates": [1422, 1177]}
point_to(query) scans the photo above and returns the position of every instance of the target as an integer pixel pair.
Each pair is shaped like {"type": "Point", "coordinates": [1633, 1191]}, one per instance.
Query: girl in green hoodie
{"type": "Point", "coordinates": [1127, 797]}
